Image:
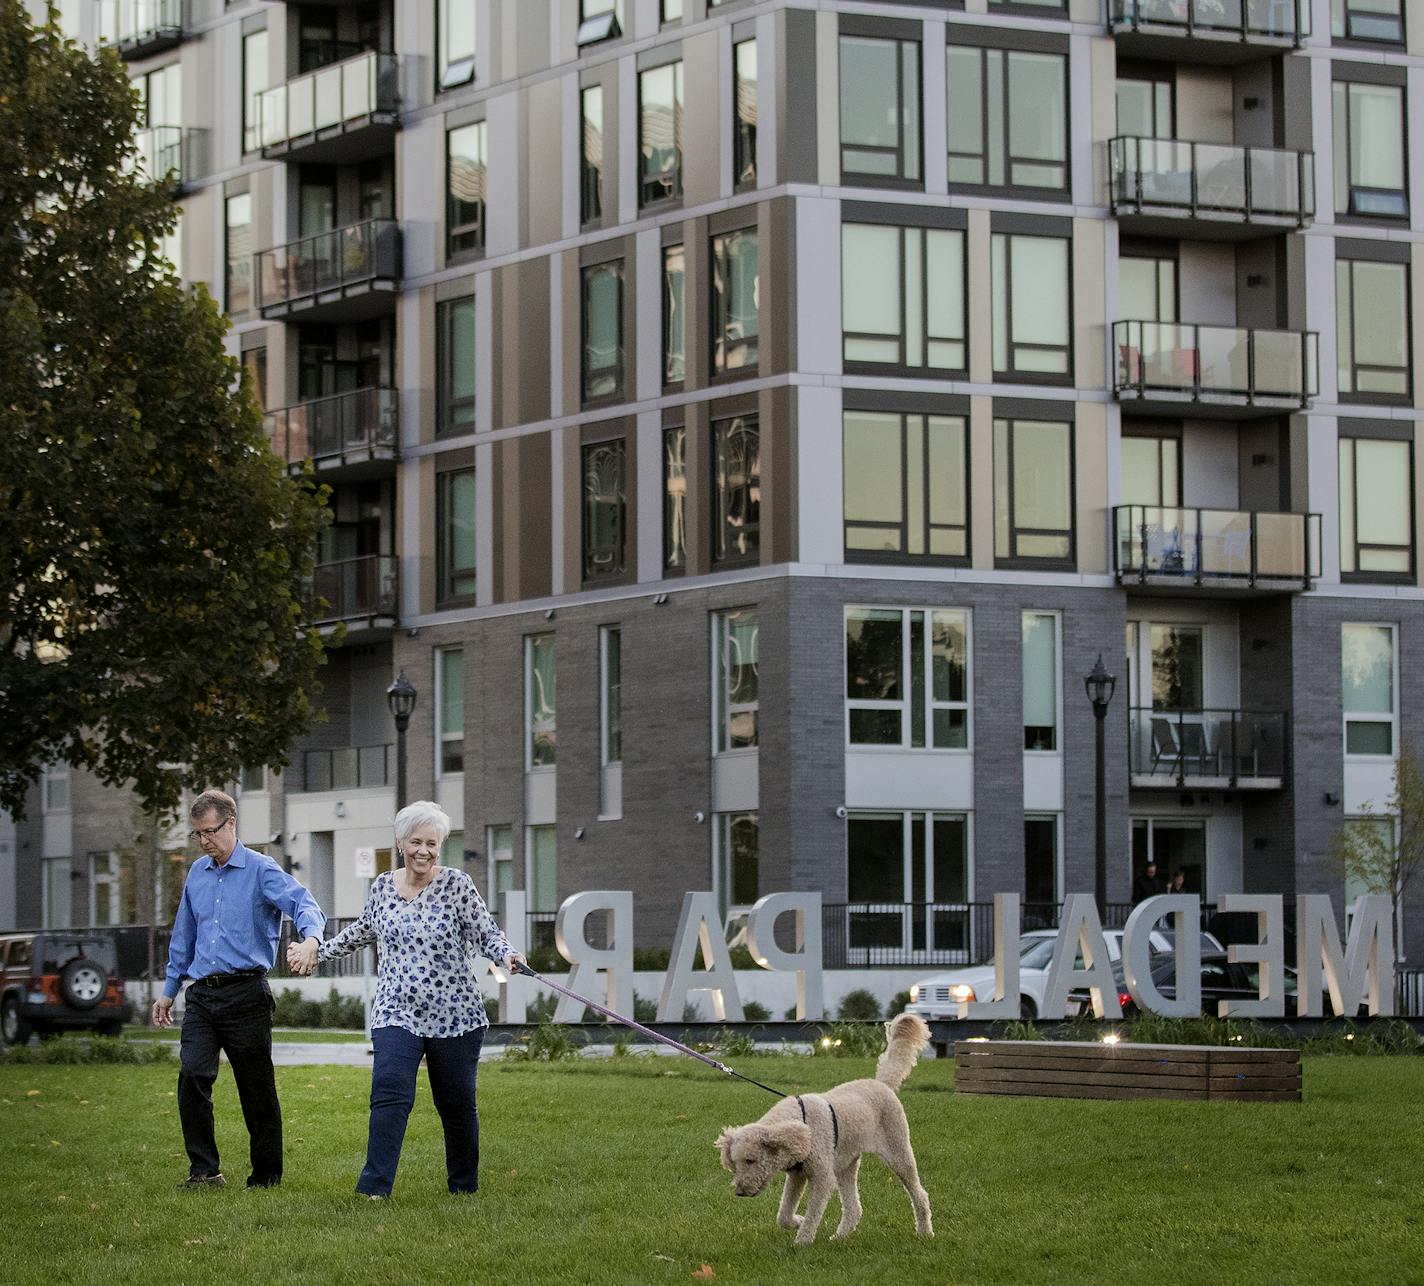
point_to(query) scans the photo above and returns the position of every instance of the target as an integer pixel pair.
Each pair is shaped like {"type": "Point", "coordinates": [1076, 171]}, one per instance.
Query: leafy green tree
{"type": "Point", "coordinates": [153, 554]}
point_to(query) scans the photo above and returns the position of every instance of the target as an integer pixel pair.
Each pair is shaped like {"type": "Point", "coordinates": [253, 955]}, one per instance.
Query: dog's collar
{"type": "Point", "coordinates": [835, 1123]}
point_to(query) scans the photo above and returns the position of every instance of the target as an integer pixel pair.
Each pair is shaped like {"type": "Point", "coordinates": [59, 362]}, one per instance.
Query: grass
{"type": "Point", "coordinates": [604, 1172]}
{"type": "Point", "coordinates": [300, 1035]}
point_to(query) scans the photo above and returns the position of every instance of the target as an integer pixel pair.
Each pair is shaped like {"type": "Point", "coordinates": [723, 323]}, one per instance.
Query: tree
{"type": "Point", "coordinates": [154, 618]}
{"type": "Point", "coordinates": [1382, 852]}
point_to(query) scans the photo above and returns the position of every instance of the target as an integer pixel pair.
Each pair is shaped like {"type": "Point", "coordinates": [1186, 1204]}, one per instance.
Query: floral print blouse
{"type": "Point", "coordinates": [427, 981]}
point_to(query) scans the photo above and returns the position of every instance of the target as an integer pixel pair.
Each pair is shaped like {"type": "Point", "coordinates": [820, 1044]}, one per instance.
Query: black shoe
{"type": "Point", "coordinates": [203, 1181]}
{"type": "Point", "coordinates": [255, 1182]}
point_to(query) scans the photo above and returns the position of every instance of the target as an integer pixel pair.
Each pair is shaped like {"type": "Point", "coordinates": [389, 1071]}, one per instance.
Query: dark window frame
{"type": "Point", "coordinates": [674, 552]}
{"type": "Point", "coordinates": [656, 191]}
{"type": "Point", "coordinates": [449, 405]}
{"type": "Point", "coordinates": [744, 134]}
{"type": "Point", "coordinates": [1355, 394]}
{"type": "Point", "coordinates": [1345, 38]}
{"type": "Point", "coordinates": [1013, 559]}
{"type": "Point", "coordinates": [590, 175]}
{"type": "Point", "coordinates": [251, 130]}
{"type": "Point", "coordinates": [243, 260]}
{"type": "Point", "coordinates": [474, 230]}
{"type": "Point", "coordinates": [1358, 577]}
{"type": "Point", "coordinates": [447, 575]}
{"type": "Point", "coordinates": [1346, 77]}
{"type": "Point", "coordinates": [721, 316]}
{"type": "Point", "coordinates": [724, 533]}
{"type": "Point", "coordinates": [900, 179]}
{"type": "Point", "coordinates": [458, 71]}
{"type": "Point", "coordinates": [668, 251]}
{"type": "Point", "coordinates": [1012, 374]}
{"type": "Point", "coordinates": [587, 374]}
{"type": "Point", "coordinates": [604, 561]}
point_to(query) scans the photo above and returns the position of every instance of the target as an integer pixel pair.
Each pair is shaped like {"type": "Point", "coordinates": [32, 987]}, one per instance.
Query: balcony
{"type": "Point", "coordinates": [1206, 749]}
{"type": "Point", "coordinates": [349, 768]}
{"type": "Point", "coordinates": [337, 115]}
{"type": "Point", "coordinates": [1215, 550]}
{"type": "Point", "coordinates": [172, 152]}
{"type": "Point", "coordinates": [1207, 31]}
{"type": "Point", "coordinates": [1213, 372]}
{"type": "Point", "coordinates": [138, 28]}
{"type": "Point", "coordinates": [360, 593]}
{"type": "Point", "coordinates": [353, 435]}
{"type": "Point", "coordinates": [1221, 192]}
{"type": "Point", "coordinates": [346, 275]}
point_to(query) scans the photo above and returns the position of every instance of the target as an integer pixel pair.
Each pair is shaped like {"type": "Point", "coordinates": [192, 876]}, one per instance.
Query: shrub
{"type": "Point", "coordinates": [756, 1012]}
{"type": "Point", "coordinates": [541, 1009]}
{"type": "Point", "coordinates": [90, 1049]}
{"type": "Point", "coordinates": [848, 1040]}
{"type": "Point", "coordinates": [899, 1002]}
{"type": "Point", "coordinates": [549, 1042]}
{"type": "Point", "coordinates": [492, 1008]}
{"type": "Point", "coordinates": [651, 959]}
{"type": "Point", "coordinates": [295, 1010]}
{"type": "Point", "coordinates": [644, 1010]}
{"type": "Point", "coordinates": [734, 1044]}
{"type": "Point", "coordinates": [547, 960]}
{"type": "Point", "coordinates": [859, 1006]}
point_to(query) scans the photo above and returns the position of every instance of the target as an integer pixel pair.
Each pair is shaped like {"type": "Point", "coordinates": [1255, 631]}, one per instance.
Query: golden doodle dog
{"type": "Point", "coordinates": [817, 1140]}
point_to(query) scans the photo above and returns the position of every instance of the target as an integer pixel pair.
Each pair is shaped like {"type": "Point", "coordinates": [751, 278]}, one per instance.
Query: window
{"type": "Point", "coordinates": [660, 134]}
{"type": "Point", "coordinates": [1147, 288]}
{"type": "Point", "coordinates": [104, 889]}
{"type": "Point", "coordinates": [736, 481]}
{"type": "Point", "coordinates": [1376, 509]}
{"type": "Point", "coordinates": [455, 363]}
{"type": "Point", "coordinates": [902, 296]}
{"type": "Point", "coordinates": [1144, 107]}
{"type": "Point", "coordinates": [744, 114]}
{"type": "Point", "coordinates": [675, 498]}
{"type": "Point", "coordinates": [452, 851]}
{"type": "Point", "coordinates": [56, 788]}
{"type": "Point", "coordinates": [674, 318]}
{"type": "Point", "coordinates": [255, 361]}
{"type": "Point", "coordinates": [1151, 470]}
{"type": "Point", "coordinates": [238, 282]}
{"type": "Point", "coordinates": [1007, 118]}
{"type": "Point", "coordinates": [1372, 328]}
{"type": "Point", "coordinates": [1040, 680]}
{"type": "Point", "coordinates": [455, 521]}
{"type": "Point", "coordinates": [599, 20]}
{"type": "Point", "coordinates": [907, 678]}
{"type": "Point", "coordinates": [501, 863]}
{"type": "Point", "coordinates": [450, 702]}
{"type": "Point", "coordinates": [254, 84]}
{"type": "Point", "coordinates": [735, 683]}
{"type": "Point", "coordinates": [605, 510]}
{"type": "Point", "coordinates": [1367, 678]}
{"type": "Point", "coordinates": [610, 695]}
{"type": "Point", "coordinates": [908, 879]}
{"type": "Point", "coordinates": [1369, 150]}
{"type": "Point", "coordinates": [57, 893]}
{"type": "Point", "coordinates": [543, 872]}
{"type": "Point", "coordinates": [603, 330]}
{"type": "Point", "coordinates": [735, 319]}
{"type": "Point", "coordinates": [539, 701]}
{"type": "Point", "coordinates": [465, 189]}
{"type": "Point", "coordinates": [161, 98]}
{"type": "Point", "coordinates": [880, 110]}
{"type": "Point", "coordinates": [906, 492]}
{"type": "Point", "coordinates": [1042, 882]}
{"type": "Point", "coordinates": [591, 157]}
{"type": "Point", "coordinates": [1032, 312]}
{"type": "Point", "coordinates": [1174, 846]}
{"type": "Point", "coordinates": [455, 42]}
{"type": "Point", "coordinates": [1033, 490]}
{"type": "Point", "coordinates": [1373, 20]}
{"type": "Point", "coordinates": [735, 876]}
{"type": "Point", "coordinates": [251, 779]}
{"type": "Point", "coordinates": [1178, 681]}
{"type": "Point", "coordinates": [672, 11]}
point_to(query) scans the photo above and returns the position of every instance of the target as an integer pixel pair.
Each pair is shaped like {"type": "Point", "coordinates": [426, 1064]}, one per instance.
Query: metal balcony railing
{"type": "Point", "coordinates": [1228, 748]}
{"type": "Point", "coordinates": [332, 99]}
{"type": "Point", "coordinates": [332, 262]}
{"type": "Point", "coordinates": [1197, 546]}
{"type": "Point", "coordinates": [1214, 363]}
{"type": "Point", "coordinates": [346, 768]}
{"type": "Point", "coordinates": [137, 27]}
{"type": "Point", "coordinates": [359, 425]}
{"type": "Point", "coordinates": [356, 589]}
{"type": "Point", "coordinates": [1274, 20]}
{"type": "Point", "coordinates": [1211, 179]}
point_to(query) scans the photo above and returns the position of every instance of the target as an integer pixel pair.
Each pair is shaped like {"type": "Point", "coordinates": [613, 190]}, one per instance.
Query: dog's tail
{"type": "Point", "coordinates": [905, 1037]}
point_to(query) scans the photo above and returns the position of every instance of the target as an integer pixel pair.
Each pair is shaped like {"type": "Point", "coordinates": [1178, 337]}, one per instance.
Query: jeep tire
{"type": "Point", "coordinates": [82, 983]}
{"type": "Point", "coordinates": [14, 1029]}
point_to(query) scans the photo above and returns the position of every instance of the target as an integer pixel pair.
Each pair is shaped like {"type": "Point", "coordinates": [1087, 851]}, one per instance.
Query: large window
{"type": "Point", "coordinates": [735, 687]}
{"type": "Point", "coordinates": [1033, 491]}
{"type": "Point", "coordinates": [238, 283]}
{"type": "Point", "coordinates": [880, 110]}
{"type": "Point", "coordinates": [1032, 306]}
{"type": "Point", "coordinates": [907, 678]}
{"type": "Point", "coordinates": [1372, 328]}
{"type": "Point", "coordinates": [465, 189]}
{"type": "Point", "coordinates": [539, 702]}
{"type": "Point", "coordinates": [605, 510]}
{"type": "Point", "coordinates": [1178, 667]}
{"type": "Point", "coordinates": [1151, 469]}
{"type": "Point", "coordinates": [908, 880]}
{"type": "Point", "coordinates": [1371, 20]}
{"type": "Point", "coordinates": [455, 520]}
{"type": "Point", "coordinates": [660, 134]}
{"type": "Point", "coordinates": [674, 318]}
{"type": "Point", "coordinates": [1043, 882]}
{"type": "Point", "coordinates": [903, 297]}
{"type": "Point", "coordinates": [455, 367]}
{"type": "Point", "coordinates": [455, 43]}
{"type": "Point", "coordinates": [254, 84]}
{"type": "Point", "coordinates": [1040, 680]}
{"type": "Point", "coordinates": [735, 869]}
{"type": "Point", "coordinates": [1369, 150]}
{"type": "Point", "coordinates": [1376, 509]}
{"type": "Point", "coordinates": [906, 492]}
{"type": "Point", "coordinates": [56, 788]}
{"type": "Point", "coordinates": [610, 695]}
{"type": "Point", "coordinates": [603, 330]}
{"type": "Point", "coordinates": [500, 840]}
{"type": "Point", "coordinates": [735, 320]}
{"type": "Point", "coordinates": [675, 498]}
{"type": "Point", "coordinates": [591, 154]}
{"type": "Point", "coordinates": [1147, 287]}
{"type": "Point", "coordinates": [450, 702]}
{"type": "Point", "coordinates": [1145, 106]}
{"type": "Point", "coordinates": [744, 114]}
{"type": "Point", "coordinates": [736, 484]}
{"type": "Point", "coordinates": [1007, 118]}
{"type": "Point", "coordinates": [161, 98]}
{"type": "Point", "coordinates": [542, 879]}
{"type": "Point", "coordinates": [1367, 666]}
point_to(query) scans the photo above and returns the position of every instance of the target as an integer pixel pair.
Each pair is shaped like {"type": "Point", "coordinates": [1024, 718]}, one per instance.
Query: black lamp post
{"type": "Point", "coordinates": [1100, 685]}
{"type": "Point", "coordinates": [400, 696]}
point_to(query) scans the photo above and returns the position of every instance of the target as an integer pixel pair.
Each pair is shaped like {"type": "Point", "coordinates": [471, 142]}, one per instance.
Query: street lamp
{"type": "Point", "coordinates": [400, 696]}
{"type": "Point", "coordinates": [1100, 686]}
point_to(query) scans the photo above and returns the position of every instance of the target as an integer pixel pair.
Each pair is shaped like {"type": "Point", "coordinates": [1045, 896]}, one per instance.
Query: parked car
{"type": "Point", "coordinates": [59, 981]}
{"type": "Point", "coordinates": [1220, 980]}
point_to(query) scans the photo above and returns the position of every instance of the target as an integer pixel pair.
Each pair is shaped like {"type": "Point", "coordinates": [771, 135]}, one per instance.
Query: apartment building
{"type": "Point", "coordinates": [748, 421]}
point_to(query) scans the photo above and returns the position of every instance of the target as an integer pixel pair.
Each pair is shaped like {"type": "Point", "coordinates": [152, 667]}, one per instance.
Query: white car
{"type": "Point", "coordinates": [939, 996]}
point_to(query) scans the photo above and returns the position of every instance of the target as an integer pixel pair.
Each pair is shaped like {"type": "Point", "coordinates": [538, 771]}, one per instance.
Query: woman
{"type": "Point", "coordinates": [429, 920]}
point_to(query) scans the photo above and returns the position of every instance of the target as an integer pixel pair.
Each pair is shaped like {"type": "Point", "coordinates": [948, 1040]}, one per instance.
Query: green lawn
{"type": "Point", "coordinates": [300, 1035]}
{"type": "Point", "coordinates": [605, 1171]}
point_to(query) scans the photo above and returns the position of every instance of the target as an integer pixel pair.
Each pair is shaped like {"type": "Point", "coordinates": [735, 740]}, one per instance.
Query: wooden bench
{"type": "Point", "coordinates": [1090, 1069]}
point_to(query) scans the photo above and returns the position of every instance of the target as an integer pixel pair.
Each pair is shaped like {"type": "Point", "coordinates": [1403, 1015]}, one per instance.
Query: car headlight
{"type": "Point", "coordinates": [914, 993]}
{"type": "Point", "coordinates": [961, 992]}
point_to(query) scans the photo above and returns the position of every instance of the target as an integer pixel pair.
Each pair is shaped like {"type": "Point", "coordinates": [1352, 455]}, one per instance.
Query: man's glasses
{"type": "Point", "coordinates": [209, 832]}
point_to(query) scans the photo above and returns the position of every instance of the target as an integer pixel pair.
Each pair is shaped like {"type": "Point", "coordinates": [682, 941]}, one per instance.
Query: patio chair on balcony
{"type": "Point", "coordinates": [1162, 549]}
{"type": "Point", "coordinates": [1164, 745]}
{"type": "Point", "coordinates": [1194, 751]}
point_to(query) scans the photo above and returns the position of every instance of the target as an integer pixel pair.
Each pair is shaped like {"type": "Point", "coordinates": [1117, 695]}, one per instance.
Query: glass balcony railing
{"type": "Point", "coordinates": [1164, 175]}
{"type": "Point", "coordinates": [356, 589]}
{"type": "Point", "coordinates": [1231, 749]}
{"type": "Point", "coordinates": [1225, 364]}
{"type": "Point", "coordinates": [169, 151]}
{"type": "Point", "coordinates": [141, 26]}
{"type": "Point", "coordinates": [332, 262]}
{"type": "Point", "coordinates": [346, 768]}
{"type": "Point", "coordinates": [1199, 546]}
{"type": "Point", "coordinates": [332, 99]}
{"type": "Point", "coordinates": [1274, 20]}
{"type": "Point", "coordinates": [359, 425]}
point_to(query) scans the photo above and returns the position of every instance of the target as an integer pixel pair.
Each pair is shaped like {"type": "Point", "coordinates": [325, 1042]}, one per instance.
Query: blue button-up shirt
{"type": "Point", "coordinates": [231, 916]}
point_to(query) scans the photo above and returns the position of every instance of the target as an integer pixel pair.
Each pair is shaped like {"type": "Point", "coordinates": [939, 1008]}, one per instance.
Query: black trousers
{"type": "Point", "coordinates": [235, 1019]}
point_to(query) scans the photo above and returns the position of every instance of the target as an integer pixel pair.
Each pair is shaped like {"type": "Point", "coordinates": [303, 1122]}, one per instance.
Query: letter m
{"type": "Point", "coordinates": [1368, 956]}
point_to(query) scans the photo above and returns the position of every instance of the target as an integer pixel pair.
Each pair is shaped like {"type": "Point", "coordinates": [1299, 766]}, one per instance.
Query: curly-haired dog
{"type": "Point", "coordinates": [818, 1140]}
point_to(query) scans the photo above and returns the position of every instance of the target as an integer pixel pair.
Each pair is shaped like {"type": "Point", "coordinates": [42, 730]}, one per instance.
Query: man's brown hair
{"type": "Point", "coordinates": [210, 801]}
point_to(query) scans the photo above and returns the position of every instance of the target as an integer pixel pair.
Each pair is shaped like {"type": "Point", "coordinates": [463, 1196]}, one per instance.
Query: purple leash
{"type": "Point", "coordinates": [646, 1031]}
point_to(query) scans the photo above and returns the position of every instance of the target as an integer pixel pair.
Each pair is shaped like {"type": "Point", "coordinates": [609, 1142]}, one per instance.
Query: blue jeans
{"type": "Point", "coordinates": [452, 1062]}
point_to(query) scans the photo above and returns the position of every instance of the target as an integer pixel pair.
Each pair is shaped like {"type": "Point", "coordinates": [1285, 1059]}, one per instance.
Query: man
{"type": "Point", "coordinates": [1148, 884]}
{"type": "Point", "coordinates": [225, 940]}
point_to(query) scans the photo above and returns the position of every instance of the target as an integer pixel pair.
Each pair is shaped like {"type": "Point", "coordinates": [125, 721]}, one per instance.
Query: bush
{"type": "Point", "coordinates": [295, 1010]}
{"type": "Point", "coordinates": [651, 959]}
{"type": "Point", "coordinates": [756, 1012]}
{"type": "Point", "coordinates": [848, 1040]}
{"type": "Point", "coordinates": [859, 1006]}
{"type": "Point", "coordinates": [899, 1002]}
{"type": "Point", "coordinates": [644, 1010]}
{"type": "Point", "coordinates": [541, 1010]}
{"type": "Point", "coordinates": [90, 1049]}
{"type": "Point", "coordinates": [492, 1008]}
{"type": "Point", "coordinates": [547, 960]}
{"type": "Point", "coordinates": [549, 1042]}
{"type": "Point", "coordinates": [734, 1044]}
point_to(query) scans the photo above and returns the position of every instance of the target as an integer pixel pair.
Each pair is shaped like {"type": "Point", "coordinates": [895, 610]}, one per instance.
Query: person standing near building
{"type": "Point", "coordinates": [225, 941]}
{"type": "Point", "coordinates": [1148, 883]}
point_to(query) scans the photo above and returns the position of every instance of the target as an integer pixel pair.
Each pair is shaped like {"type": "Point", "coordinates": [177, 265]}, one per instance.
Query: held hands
{"type": "Point", "coordinates": [301, 957]}
{"type": "Point", "coordinates": [163, 1011]}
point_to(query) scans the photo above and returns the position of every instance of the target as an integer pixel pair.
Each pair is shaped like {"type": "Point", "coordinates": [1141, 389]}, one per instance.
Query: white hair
{"type": "Point", "coordinates": [421, 813]}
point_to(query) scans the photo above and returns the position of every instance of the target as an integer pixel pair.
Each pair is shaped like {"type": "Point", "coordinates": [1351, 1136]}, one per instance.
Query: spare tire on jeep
{"type": "Point", "coordinates": [82, 982]}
